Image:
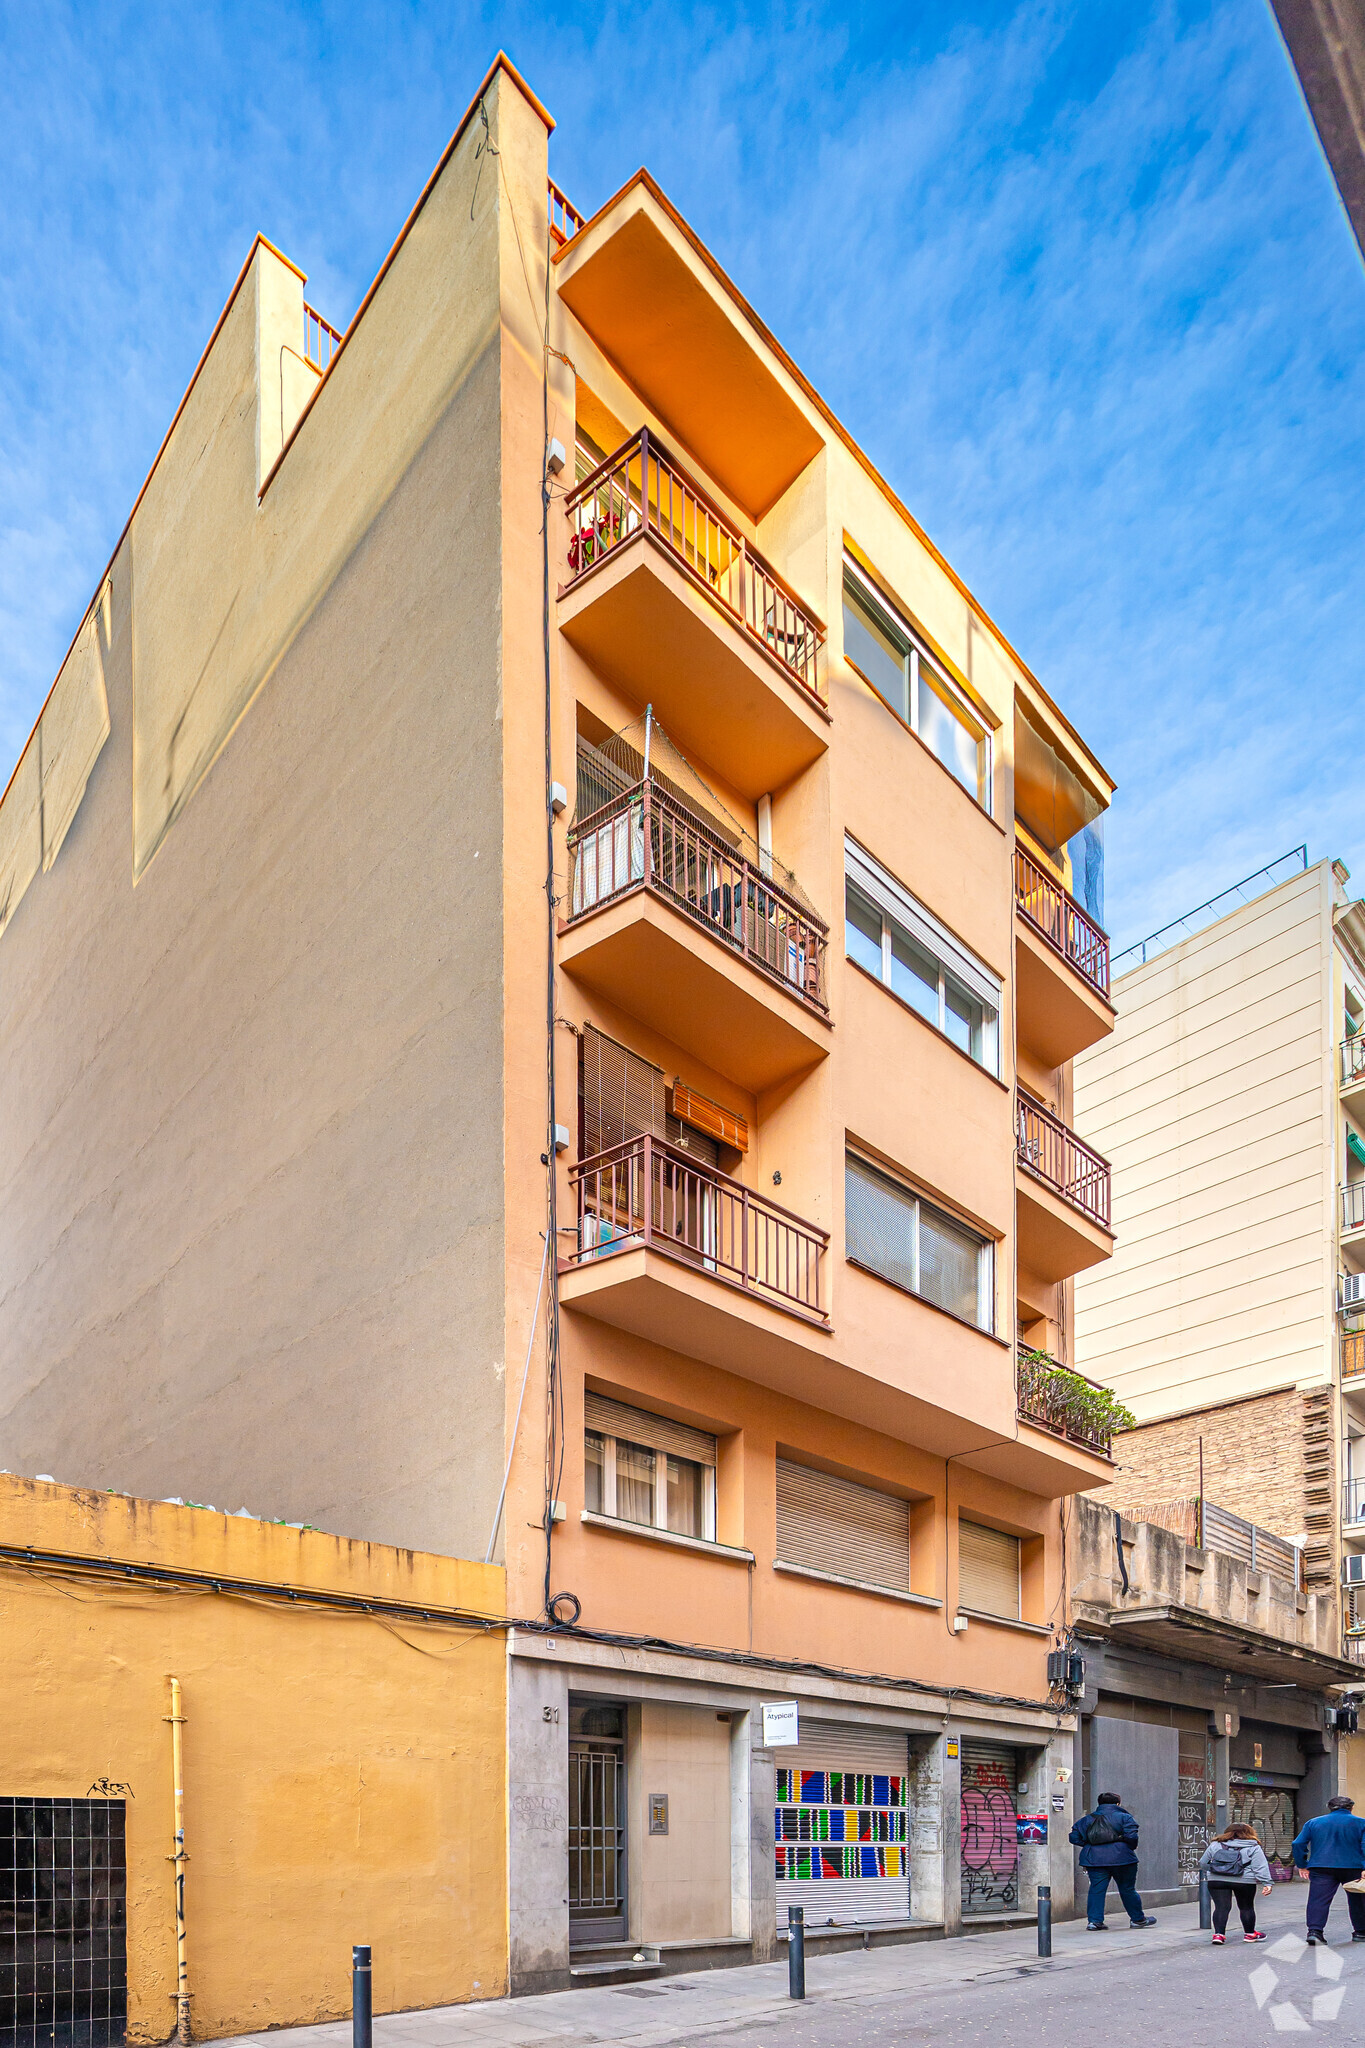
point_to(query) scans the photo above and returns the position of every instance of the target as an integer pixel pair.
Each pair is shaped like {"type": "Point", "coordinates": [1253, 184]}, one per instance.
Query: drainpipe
{"type": "Point", "coordinates": [182, 1993]}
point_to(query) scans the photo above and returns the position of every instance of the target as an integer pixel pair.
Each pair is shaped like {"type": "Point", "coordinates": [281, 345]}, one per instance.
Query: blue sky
{"type": "Point", "coordinates": [1075, 274]}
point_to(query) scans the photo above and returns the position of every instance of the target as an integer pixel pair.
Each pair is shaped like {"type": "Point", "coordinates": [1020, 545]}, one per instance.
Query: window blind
{"type": "Point", "coordinates": [835, 1525]}
{"type": "Point", "coordinates": [620, 1095]}
{"type": "Point", "coordinates": [656, 1432]}
{"type": "Point", "coordinates": [879, 1224]}
{"type": "Point", "coordinates": [987, 1570]}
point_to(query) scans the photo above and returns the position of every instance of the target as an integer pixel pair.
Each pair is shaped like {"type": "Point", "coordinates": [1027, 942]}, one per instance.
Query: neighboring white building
{"type": "Point", "coordinates": [1230, 1101]}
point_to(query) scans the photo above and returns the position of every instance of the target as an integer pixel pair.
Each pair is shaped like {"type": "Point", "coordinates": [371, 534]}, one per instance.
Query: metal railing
{"type": "Point", "coordinates": [1294, 862]}
{"type": "Point", "coordinates": [1353, 1205]}
{"type": "Point", "coordinates": [1353, 1355]}
{"type": "Point", "coordinates": [1047, 1393]}
{"type": "Point", "coordinates": [320, 339]}
{"type": "Point", "coordinates": [1219, 1529]}
{"type": "Point", "coordinates": [1353, 1500]}
{"type": "Point", "coordinates": [646, 1193]}
{"type": "Point", "coordinates": [1048, 1149]}
{"type": "Point", "coordinates": [1353, 1648]}
{"type": "Point", "coordinates": [1353, 1059]}
{"type": "Point", "coordinates": [641, 492]}
{"type": "Point", "coordinates": [1062, 922]}
{"type": "Point", "coordinates": [645, 838]}
{"type": "Point", "coordinates": [564, 218]}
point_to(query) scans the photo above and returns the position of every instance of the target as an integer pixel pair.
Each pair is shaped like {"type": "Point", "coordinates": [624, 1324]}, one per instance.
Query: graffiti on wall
{"type": "Point", "coordinates": [990, 1840]}
{"type": "Point", "coordinates": [1271, 1812]}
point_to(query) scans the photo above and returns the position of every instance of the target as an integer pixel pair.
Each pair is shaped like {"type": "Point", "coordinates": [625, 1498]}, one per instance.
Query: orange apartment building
{"type": "Point", "coordinates": [669, 1233]}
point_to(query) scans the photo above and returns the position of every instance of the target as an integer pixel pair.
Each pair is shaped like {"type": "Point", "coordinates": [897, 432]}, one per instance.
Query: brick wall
{"type": "Point", "coordinates": [1253, 1461]}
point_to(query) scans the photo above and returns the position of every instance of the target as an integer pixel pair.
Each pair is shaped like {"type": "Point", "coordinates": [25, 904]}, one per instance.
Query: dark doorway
{"type": "Point", "coordinates": [597, 1823]}
{"type": "Point", "coordinates": [63, 1923]}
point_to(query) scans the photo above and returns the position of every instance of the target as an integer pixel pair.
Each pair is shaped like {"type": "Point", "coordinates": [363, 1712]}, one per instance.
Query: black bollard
{"type": "Point", "coordinates": [1205, 1902]}
{"type": "Point", "coordinates": [796, 1951]}
{"type": "Point", "coordinates": [362, 2009]}
{"type": "Point", "coordinates": [1045, 1919]}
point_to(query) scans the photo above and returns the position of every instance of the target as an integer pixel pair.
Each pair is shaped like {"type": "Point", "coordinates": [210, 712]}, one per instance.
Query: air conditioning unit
{"type": "Point", "coordinates": [1351, 1290]}
{"type": "Point", "coordinates": [1353, 1568]}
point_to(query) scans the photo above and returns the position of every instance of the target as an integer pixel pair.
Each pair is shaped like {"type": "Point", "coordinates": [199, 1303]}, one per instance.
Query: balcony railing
{"type": "Point", "coordinates": [1055, 1397]}
{"type": "Point", "coordinates": [1353, 1355]}
{"type": "Point", "coordinates": [1048, 1149]}
{"type": "Point", "coordinates": [1353, 1500]}
{"type": "Point", "coordinates": [641, 492]}
{"type": "Point", "coordinates": [1062, 922]}
{"type": "Point", "coordinates": [320, 339]}
{"type": "Point", "coordinates": [646, 839]}
{"type": "Point", "coordinates": [564, 218]}
{"type": "Point", "coordinates": [1206, 1526]}
{"type": "Point", "coordinates": [645, 1193]}
{"type": "Point", "coordinates": [1353, 1205]}
{"type": "Point", "coordinates": [1353, 1648]}
{"type": "Point", "coordinates": [1353, 1059]}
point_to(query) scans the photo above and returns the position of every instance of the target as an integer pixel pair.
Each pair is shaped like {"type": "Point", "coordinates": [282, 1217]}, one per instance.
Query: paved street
{"type": "Point", "coordinates": [1162, 1988]}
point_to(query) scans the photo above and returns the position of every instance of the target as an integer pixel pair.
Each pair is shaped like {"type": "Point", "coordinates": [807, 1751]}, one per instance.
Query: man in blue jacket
{"type": "Point", "coordinates": [1332, 1850]}
{"type": "Point", "coordinates": [1108, 1840]}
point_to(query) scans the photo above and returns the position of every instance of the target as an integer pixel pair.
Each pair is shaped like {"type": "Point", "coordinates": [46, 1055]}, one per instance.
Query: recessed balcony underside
{"type": "Point", "coordinates": [641, 621]}
{"type": "Point", "coordinates": [655, 963]}
{"type": "Point", "coordinates": [1056, 1239]}
{"type": "Point", "coordinates": [1042, 1463]}
{"type": "Point", "coordinates": [1059, 1013]}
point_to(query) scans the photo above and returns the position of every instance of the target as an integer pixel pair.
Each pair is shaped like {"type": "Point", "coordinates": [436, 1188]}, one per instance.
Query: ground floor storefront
{"type": "Point", "coordinates": [654, 1828]}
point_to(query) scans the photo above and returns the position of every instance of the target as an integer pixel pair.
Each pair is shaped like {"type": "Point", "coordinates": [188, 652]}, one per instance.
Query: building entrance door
{"type": "Point", "coordinates": [597, 1824]}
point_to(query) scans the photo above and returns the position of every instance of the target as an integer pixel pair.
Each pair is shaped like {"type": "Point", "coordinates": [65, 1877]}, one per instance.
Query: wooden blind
{"type": "Point", "coordinates": [987, 1570]}
{"type": "Point", "coordinates": [657, 1432]}
{"type": "Point", "coordinates": [835, 1525]}
{"type": "Point", "coordinates": [620, 1096]}
{"type": "Point", "coordinates": [704, 1115]}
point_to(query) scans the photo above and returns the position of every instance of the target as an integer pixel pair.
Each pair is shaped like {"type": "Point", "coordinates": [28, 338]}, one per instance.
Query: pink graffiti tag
{"type": "Point", "coordinates": [989, 1836]}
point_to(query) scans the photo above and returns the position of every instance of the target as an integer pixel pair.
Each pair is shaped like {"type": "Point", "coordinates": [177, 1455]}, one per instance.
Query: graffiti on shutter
{"type": "Point", "coordinates": [990, 1837]}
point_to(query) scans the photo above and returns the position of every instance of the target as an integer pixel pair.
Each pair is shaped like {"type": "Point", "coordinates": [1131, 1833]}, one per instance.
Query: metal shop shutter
{"type": "Point", "coordinates": [835, 1525]}
{"type": "Point", "coordinates": [987, 1569]}
{"type": "Point", "coordinates": [990, 1836]}
{"type": "Point", "coordinates": [657, 1432]}
{"type": "Point", "coordinates": [881, 1757]}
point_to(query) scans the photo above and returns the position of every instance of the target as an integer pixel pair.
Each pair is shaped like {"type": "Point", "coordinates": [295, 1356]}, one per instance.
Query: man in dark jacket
{"type": "Point", "coordinates": [1332, 1850]}
{"type": "Point", "coordinates": [1108, 1840]}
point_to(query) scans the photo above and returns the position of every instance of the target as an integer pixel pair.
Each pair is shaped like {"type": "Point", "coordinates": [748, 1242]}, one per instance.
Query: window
{"type": "Point", "coordinates": [891, 935]}
{"type": "Point", "coordinates": [648, 1470]}
{"type": "Point", "coordinates": [896, 1235]}
{"type": "Point", "coordinates": [987, 1570]}
{"type": "Point", "coordinates": [835, 1525]}
{"type": "Point", "coordinates": [880, 645]}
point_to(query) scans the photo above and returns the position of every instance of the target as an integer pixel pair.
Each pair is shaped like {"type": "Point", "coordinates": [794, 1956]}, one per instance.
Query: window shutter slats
{"type": "Point", "coordinates": [620, 1095]}
{"type": "Point", "coordinates": [835, 1525]}
{"type": "Point", "coordinates": [987, 1570]}
{"type": "Point", "coordinates": [879, 1224]}
{"type": "Point", "coordinates": [656, 1432]}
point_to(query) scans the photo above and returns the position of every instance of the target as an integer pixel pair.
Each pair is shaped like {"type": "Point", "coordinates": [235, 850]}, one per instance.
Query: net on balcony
{"type": "Point", "coordinates": [607, 768]}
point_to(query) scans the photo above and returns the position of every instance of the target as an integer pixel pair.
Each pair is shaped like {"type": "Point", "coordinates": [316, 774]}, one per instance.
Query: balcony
{"type": "Point", "coordinates": [1065, 1402]}
{"type": "Point", "coordinates": [1353, 1501]}
{"type": "Point", "coordinates": [676, 928]}
{"type": "Point", "coordinates": [1352, 1056]}
{"type": "Point", "coordinates": [1353, 1359]}
{"type": "Point", "coordinates": [667, 599]}
{"type": "Point", "coordinates": [1352, 1200]}
{"type": "Point", "coordinates": [1061, 966]}
{"type": "Point", "coordinates": [1062, 1198]}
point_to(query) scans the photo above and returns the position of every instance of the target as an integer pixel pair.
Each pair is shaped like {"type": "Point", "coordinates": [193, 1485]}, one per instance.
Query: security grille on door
{"type": "Point", "coordinates": [842, 1834]}
{"type": "Point", "coordinates": [835, 1525]}
{"type": "Point", "coordinates": [987, 1570]}
{"type": "Point", "coordinates": [63, 1922]}
{"type": "Point", "coordinates": [990, 1833]}
{"type": "Point", "coordinates": [597, 1824]}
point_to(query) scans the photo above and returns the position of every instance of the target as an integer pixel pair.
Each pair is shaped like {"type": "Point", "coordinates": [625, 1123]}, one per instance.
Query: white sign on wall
{"type": "Point", "coordinates": [779, 1723]}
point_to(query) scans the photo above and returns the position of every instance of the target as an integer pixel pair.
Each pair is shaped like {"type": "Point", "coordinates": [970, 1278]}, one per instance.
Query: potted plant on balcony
{"type": "Point", "coordinates": [1064, 1400]}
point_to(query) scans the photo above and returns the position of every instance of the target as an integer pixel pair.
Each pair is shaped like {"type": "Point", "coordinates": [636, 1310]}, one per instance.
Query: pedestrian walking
{"type": "Point", "coordinates": [1108, 1842]}
{"type": "Point", "coordinates": [1234, 1864]}
{"type": "Point", "coordinates": [1331, 1849]}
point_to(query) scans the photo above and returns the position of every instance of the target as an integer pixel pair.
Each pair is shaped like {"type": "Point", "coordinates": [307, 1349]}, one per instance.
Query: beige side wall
{"type": "Point", "coordinates": [344, 1773]}
{"type": "Point", "coordinates": [252, 1137]}
{"type": "Point", "coordinates": [1212, 1100]}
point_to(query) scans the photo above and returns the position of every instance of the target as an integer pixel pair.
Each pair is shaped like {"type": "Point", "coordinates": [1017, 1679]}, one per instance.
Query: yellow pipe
{"type": "Point", "coordinates": [182, 1997]}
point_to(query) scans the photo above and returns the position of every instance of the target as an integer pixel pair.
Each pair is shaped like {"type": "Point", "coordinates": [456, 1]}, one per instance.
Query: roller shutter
{"type": "Point", "coordinates": [658, 1432]}
{"type": "Point", "coordinates": [835, 1525]}
{"type": "Point", "coordinates": [990, 1839]}
{"type": "Point", "coordinates": [843, 1825]}
{"type": "Point", "coordinates": [987, 1570]}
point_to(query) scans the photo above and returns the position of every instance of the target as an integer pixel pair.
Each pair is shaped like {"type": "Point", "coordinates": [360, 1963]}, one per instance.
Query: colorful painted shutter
{"type": "Point", "coordinates": [990, 1838]}
{"type": "Point", "coordinates": [987, 1570]}
{"type": "Point", "coordinates": [843, 1825]}
{"type": "Point", "coordinates": [835, 1525]}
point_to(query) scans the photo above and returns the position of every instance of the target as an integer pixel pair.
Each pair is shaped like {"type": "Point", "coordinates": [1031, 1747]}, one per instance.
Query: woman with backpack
{"type": "Point", "coordinates": [1108, 1842]}
{"type": "Point", "coordinates": [1234, 1864]}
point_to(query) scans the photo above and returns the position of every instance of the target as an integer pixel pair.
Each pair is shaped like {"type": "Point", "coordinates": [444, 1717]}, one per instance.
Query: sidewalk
{"type": "Point", "coordinates": [717, 2001]}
